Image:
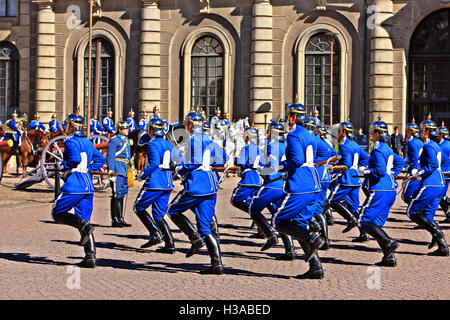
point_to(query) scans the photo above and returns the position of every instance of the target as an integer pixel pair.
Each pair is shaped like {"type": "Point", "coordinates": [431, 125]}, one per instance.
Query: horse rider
{"type": "Point", "coordinates": [118, 159]}
{"type": "Point", "coordinates": [315, 117]}
{"type": "Point", "coordinates": [200, 192]}
{"type": "Point", "coordinates": [383, 166]}
{"type": "Point", "coordinates": [108, 123]}
{"type": "Point", "coordinates": [143, 123]}
{"type": "Point", "coordinates": [216, 118]}
{"type": "Point", "coordinates": [77, 192]}
{"type": "Point", "coordinates": [225, 121]}
{"type": "Point", "coordinates": [155, 114]}
{"type": "Point", "coordinates": [295, 207]}
{"type": "Point", "coordinates": [425, 200]}
{"type": "Point", "coordinates": [130, 121]}
{"type": "Point", "coordinates": [64, 123]}
{"type": "Point", "coordinates": [14, 131]}
{"type": "Point", "coordinates": [157, 188]}
{"type": "Point", "coordinates": [54, 124]}
{"type": "Point", "coordinates": [445, 149]}
{"type": "Point", "coordinates": [36, 124]}
{"type": "Point", "coordinates": [96, 128]}
{"type": "Point", "coordinates": [347, 185]}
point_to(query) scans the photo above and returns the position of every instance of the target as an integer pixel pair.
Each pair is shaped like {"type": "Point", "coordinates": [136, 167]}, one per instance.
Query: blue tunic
{"type": "Point", "coordinates": [96, 128]}
{"type": "Point", "coordinates": [54, 126]}
{"type": "Point", "coordinates": [350, 151]}
{"type": "Point", "coordinates": [302, 177]}
{"type": "Point", "coordinates": [80, 156]}
{"type": "Point", "coordinates": [131, 124]}
{"type": "Point", "coordinates": [143, 124]}
{"type": "Point", "coordinates": [108, 125]}
{"type": "Point", "coordinates": [37, 125]}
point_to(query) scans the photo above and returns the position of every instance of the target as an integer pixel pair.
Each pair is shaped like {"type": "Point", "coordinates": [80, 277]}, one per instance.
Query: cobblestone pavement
{"type": "Point", "coordinates": [36, 258]}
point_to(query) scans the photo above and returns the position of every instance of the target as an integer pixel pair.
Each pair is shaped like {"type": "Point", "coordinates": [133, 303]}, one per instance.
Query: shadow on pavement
{"type": "Point", "coordinates": [25, 257]}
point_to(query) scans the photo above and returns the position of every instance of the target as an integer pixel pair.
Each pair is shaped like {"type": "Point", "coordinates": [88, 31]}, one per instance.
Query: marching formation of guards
{"type": "Point", "coordinates": [298, 178]}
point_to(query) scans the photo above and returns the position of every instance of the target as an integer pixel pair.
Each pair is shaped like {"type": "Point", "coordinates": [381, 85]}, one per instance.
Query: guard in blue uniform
{"type": "Point", "coordinates": [155, 114]}
{"type": "Point", "coordinates": [200, 192]}
{"type": "Point", "coordinates": [130, 121]}
{"type": "Point", "coordinates": [425, 201]}
{"type": "Point", "coordinates": [445, 165]}
{"type": "Point", "coordinates": [216, 118]}
{"type": "Point", "coordinates": [315, 118]}
{"type": "Point", "coordinates": [347, 186]}
{"type": "Point", "coordinates": [384, 164]}
{"type": "Point", "coordinates": [77, 192]}
{"type": "Point", "coordinates": [96, 128]}
{"type": "Point", "coordinates": [324, 153]}
{"type": "Point", "coordinates": [13, 132]}
{"type": "Point", "coordinates": [64, 123]}
{"type": "Point", "coordinates": [108, 123]}
{"type": "Point", "coordinates": [225, 121]}
{"type": "Point", "coordinates": [36, 124]}
{"type": "Point", "coordinates": [295, 207]}
{"type": "Point", "coordinates": [271, 190]}
{"type": "Point", "coordinates": [414, 149]}
{"type": "Point", "coordinates": [157, 188]}
{"type": "Point", "coordinates": [143, 123]}
{"type": "Point", "coordinates": [248, 162]}
{"type": "Point", "coordinates": [118, 159]}
{"type": "Point", "coordinates": [54, 124]}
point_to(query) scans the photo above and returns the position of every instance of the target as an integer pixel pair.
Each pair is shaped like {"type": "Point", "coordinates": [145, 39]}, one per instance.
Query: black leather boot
{"type": "Point", "coordinates": [444, 204]}
{"type": "Point", "coordinates": [215, 227]}
{"type": "Point", "coordinates": [187, 228]}
{"type": "Point", "coordinates": [258, 235]}
{"type": "Point", "coordinates": [169, 246]}
{"type": "Point", "coordinates": [149, 223]}
{"type": "Point", "coordinates": [363, 237]}
{"type": "Point", "coordinates": [346, 214]}
{"type": "Point", "coordinates": [314, 225]}
{"type": "Point", "coordinates": [447, 212]}
{"type": "Point", "coordinates": [323, 231]}
{"type": "Point", "coordinates": [302, 234]}
{"type": "Point", "coordinates": [315, 266]}
{"type": "Point", "coordinates": [388, 262]}
{"type": "Point", "coordinates": [387, 244]}
{"type": "Point", "coordinates": [89, 260]}
{"type": "Point", "coordinates": [115, 214]}
{"type": "Point", "coordinates": [289, 254]}
{"type": "Point", "coordinates": [83, 226]}
{"type": "Point", "coordinates": [264, 226]}
{"type": "Point", "coordinates": [436, 233]}
{"type": "Point", "coordinates": [122, 209]}
{"type": "Point", "coordinates": [214, 252]}
{"type": "Point", "coordinates": [328, 215]}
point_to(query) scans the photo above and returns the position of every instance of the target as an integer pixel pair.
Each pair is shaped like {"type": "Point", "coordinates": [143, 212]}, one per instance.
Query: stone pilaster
{"type": "Point", "coordinates": [45, 60]}
{"type": "Point", "coordinates": [381, 92]}
{"type": "Point", "coordinates": [150, 60]}
{"type": "Point", "coordinates": [261, 84]}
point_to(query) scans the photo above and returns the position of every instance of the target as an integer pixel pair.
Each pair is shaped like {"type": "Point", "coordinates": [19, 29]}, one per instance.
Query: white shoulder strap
{"type": "Point", "coordinates": [355, 161]}
{"type": "Point", "coordinates": [206, 160]}
{"type": "Point", "coordinates": [439, 158]}
{"type": "Point", "coordinates": [166, 161]}
{"type": "Point", "coordinates": [309, 156]}
{"type": "Point", "coordinates": [390, 164]}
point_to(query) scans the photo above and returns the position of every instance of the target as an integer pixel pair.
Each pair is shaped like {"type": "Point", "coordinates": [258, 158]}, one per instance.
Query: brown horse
{"type": "Point", "coordinates": [139, 152]}
{"type": "Point", "coordinates": [26, 154]}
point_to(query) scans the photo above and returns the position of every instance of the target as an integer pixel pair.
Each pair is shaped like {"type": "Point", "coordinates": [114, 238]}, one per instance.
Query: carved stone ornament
{"type": "Point", "coordinates": [96, 8]}
{"type": "Point", "coordinates": [204, 6]}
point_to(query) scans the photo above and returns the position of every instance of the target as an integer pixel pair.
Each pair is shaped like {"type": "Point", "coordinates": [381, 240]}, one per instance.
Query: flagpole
{"type": "Point", "coordinates": [88, 118]}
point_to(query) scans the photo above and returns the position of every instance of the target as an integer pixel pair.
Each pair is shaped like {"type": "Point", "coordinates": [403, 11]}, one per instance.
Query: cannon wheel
{"type": "Point", "coordinates": [102, 181]}
{"type": "Point", "coordinates": [51, 155]}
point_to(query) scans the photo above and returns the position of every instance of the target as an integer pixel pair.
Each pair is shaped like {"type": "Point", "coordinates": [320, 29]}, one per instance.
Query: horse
{"type": "Point", "coordinates": [28, 155]}
{"type": "Point", "coordinates": [56, 133]}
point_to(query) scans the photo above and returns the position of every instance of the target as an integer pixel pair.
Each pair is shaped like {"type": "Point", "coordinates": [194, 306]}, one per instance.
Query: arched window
{"type": "Point", "coordinates": [429, 68]}
{"type": "Point", "coordinates": [207, 75]}
{"type": "Point", "coordinates": [9, 80]}
{"type": "Point", "coordinates": [106, 77]}
{"type": "Point", "coordinates": [318, 91]}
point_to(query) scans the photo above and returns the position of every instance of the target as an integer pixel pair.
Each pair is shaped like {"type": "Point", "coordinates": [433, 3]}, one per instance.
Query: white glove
{"type": "Point", "coordinates": [21, 132]}
{"type": "Point", "coordinates": [177, 168]}
{"type": "Point", "coordinates": [414, 172]}
{"type": "Point", "coordinates": [362, 171]}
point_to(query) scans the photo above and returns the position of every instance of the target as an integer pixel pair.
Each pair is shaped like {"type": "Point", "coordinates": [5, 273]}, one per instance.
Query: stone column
{"type": "Point", "coordinates": [150, 60]}
{"type": "Point", "coordinates": [45, 61]}
{"type": "Point", "coordinates": [381, 92]}
{"type": "Point", "coordinates": [261, 84]}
